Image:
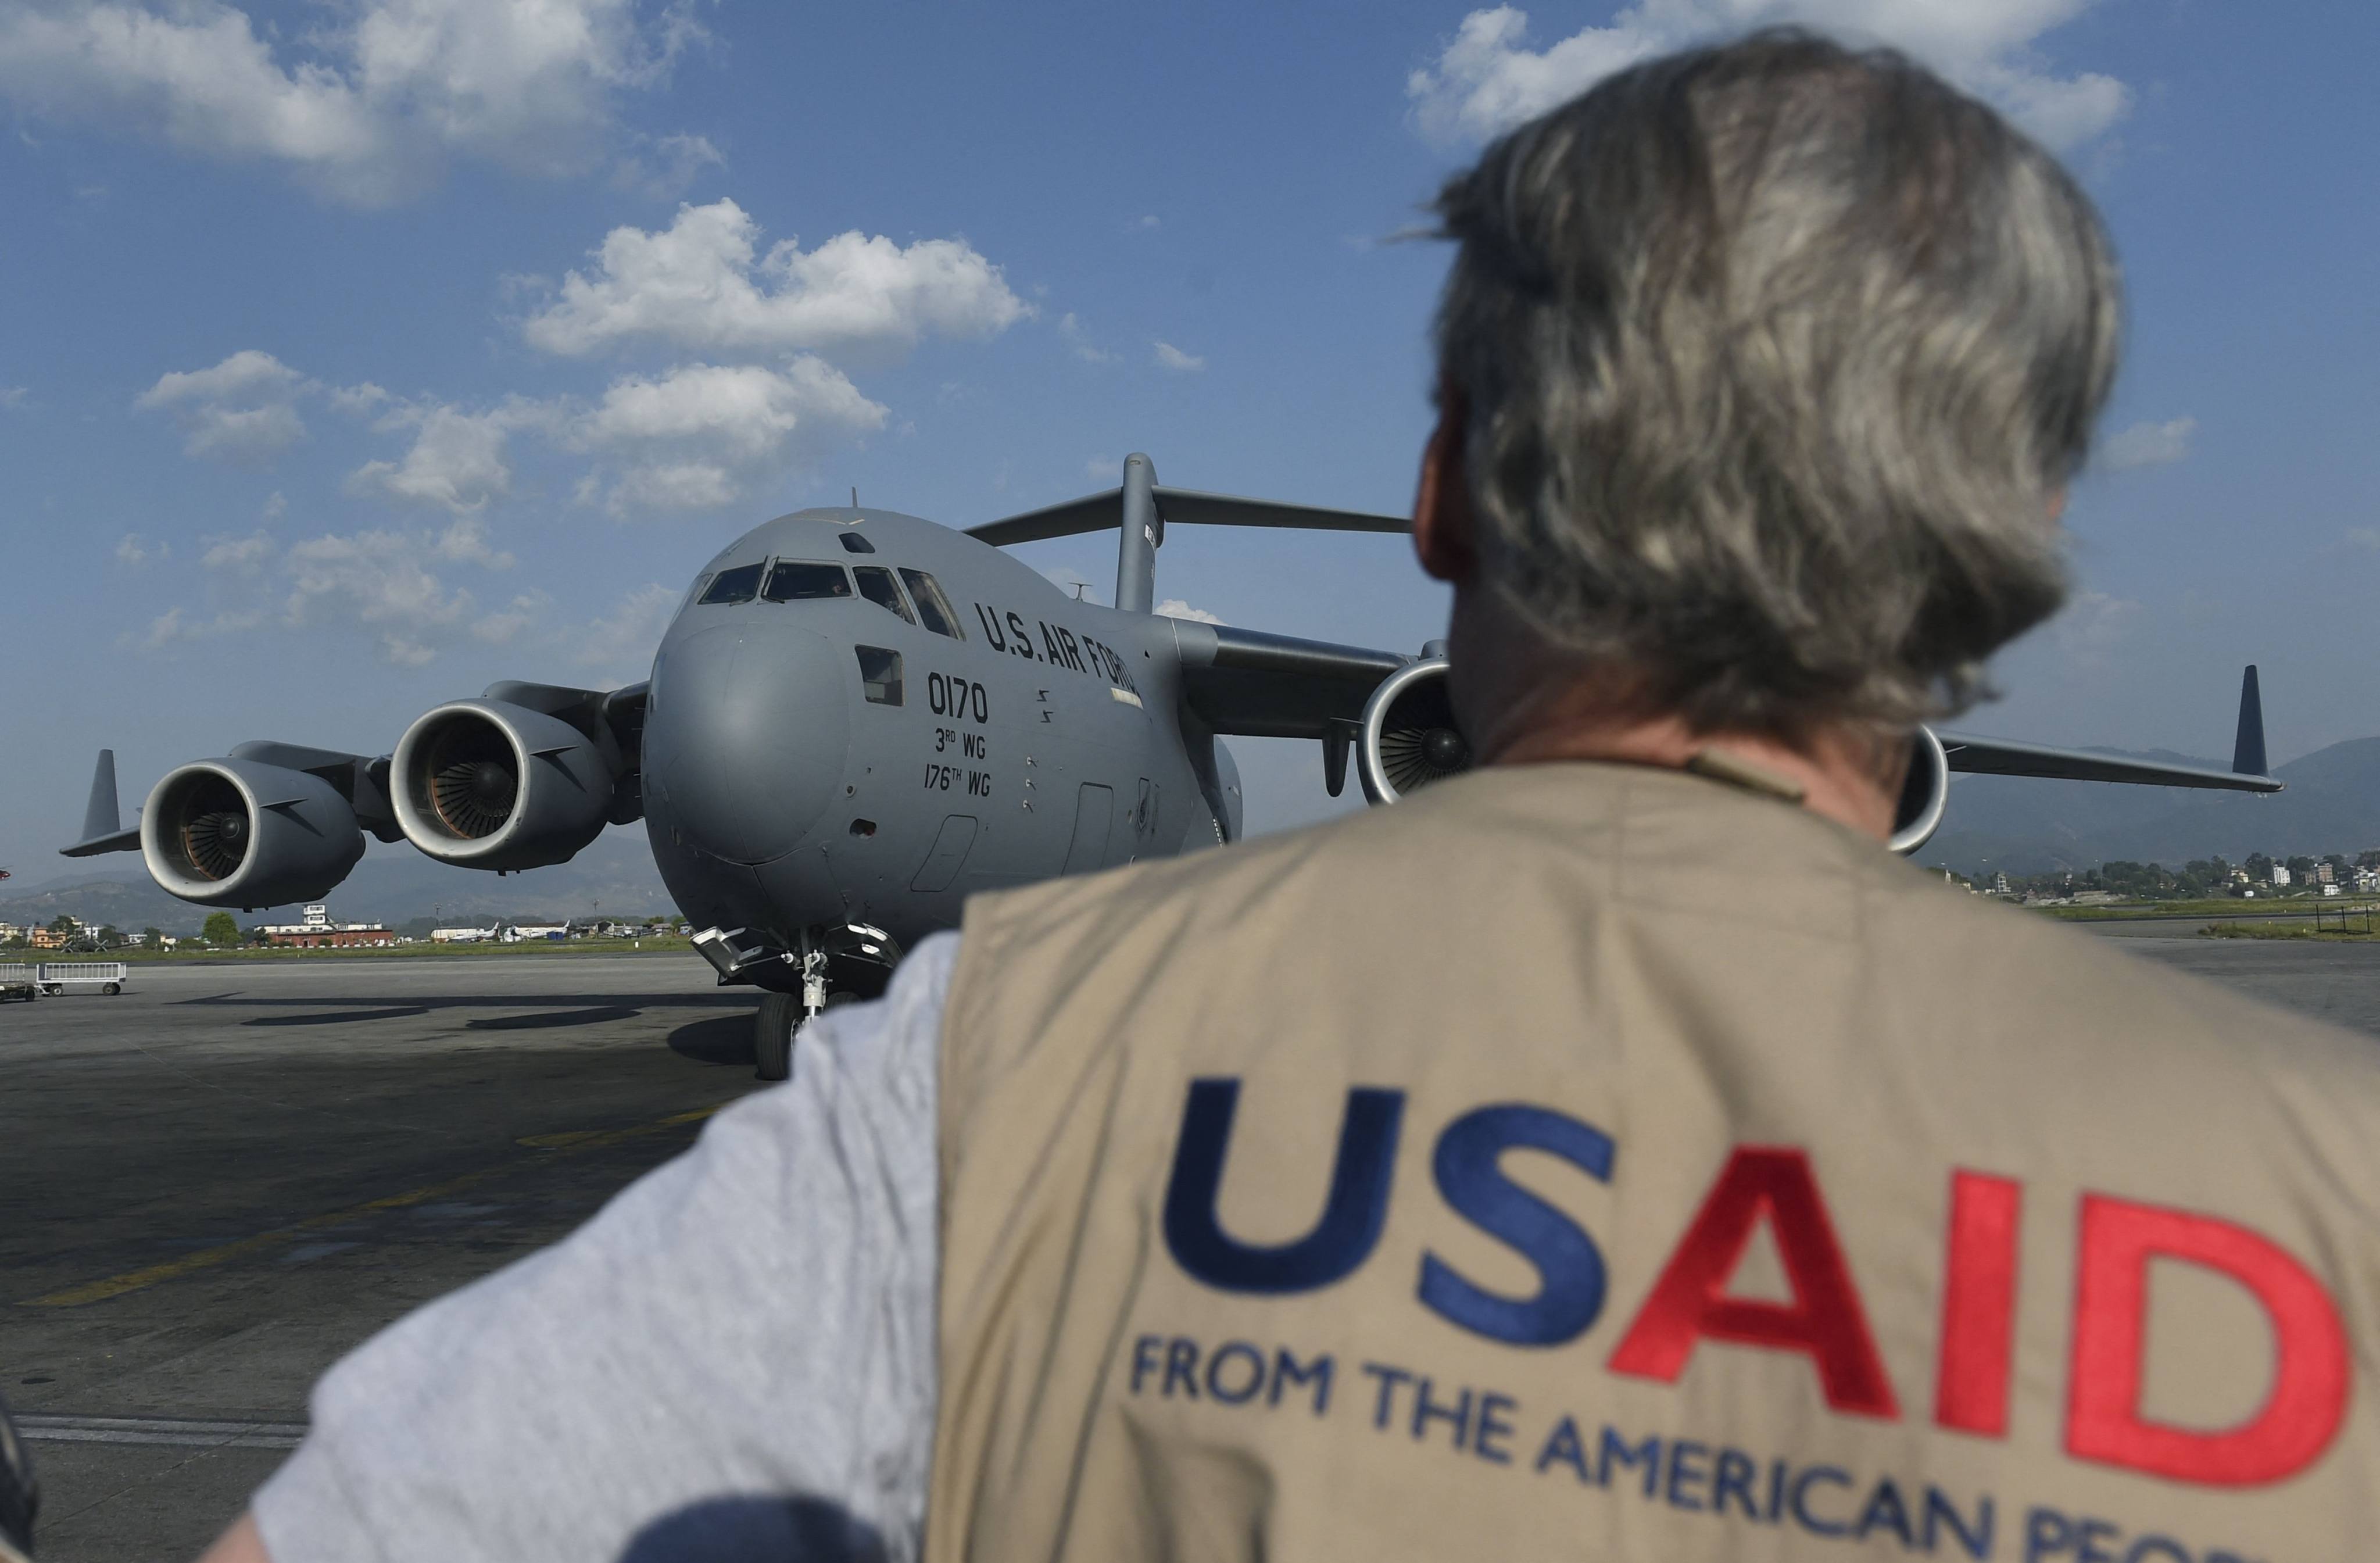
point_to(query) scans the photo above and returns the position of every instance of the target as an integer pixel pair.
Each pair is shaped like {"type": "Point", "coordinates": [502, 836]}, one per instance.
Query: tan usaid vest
{"type": "Point", "coordinates": [1602, 1163]}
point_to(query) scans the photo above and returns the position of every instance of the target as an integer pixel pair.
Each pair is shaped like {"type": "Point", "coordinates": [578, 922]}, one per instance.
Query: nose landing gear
{"type": "Point", "coordinates": [837, 965]}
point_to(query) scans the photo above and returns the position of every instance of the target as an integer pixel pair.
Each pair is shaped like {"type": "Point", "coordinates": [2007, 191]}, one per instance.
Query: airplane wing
{"type": "Point", "coordinates": [524, 776]}
{"type": "Point", "coordinates": [1258, 685]}
{"type": "Point", "coordinates": [1252, 684]}
{"type": "Point", "coordinates": [2004, 756]}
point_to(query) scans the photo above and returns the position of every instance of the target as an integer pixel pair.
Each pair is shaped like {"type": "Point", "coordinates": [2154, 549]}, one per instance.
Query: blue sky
{"type": "Point", "coordinates": [357, 354]}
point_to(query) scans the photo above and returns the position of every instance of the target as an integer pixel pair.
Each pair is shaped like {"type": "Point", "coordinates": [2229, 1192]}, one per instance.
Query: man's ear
{"type": "Point", "coordinates": [1442, 520]}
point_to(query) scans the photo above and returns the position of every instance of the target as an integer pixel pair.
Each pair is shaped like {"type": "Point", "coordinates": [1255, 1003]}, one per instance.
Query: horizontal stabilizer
{"type": "Point", "coordinates": [2002, 757]}
{"type": "Point", "coordinates": [114, 841]}
{"type": "Point", "coordinates": [1096, 512]}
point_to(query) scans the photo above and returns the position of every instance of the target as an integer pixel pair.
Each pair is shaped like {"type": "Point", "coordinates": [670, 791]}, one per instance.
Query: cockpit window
{"type": "Point", "coordinates": [854, 543]}
{"type": "Point", "coordinates": [880, 674]}
{"type": "Point", "coordinates": [932, 606]}
{"type": "Point", "coordinates": [877, 584]}
{"type": "Point", "coordinates": [738, 585]}
{"type": "Point", "coordinates": [793, 581]}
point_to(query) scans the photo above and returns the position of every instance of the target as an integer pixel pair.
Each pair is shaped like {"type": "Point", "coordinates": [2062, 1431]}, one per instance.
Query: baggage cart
{"type": "Point", "coordinates": [17, 982]}
{"type": "Point", "coordinates": [56, 977]}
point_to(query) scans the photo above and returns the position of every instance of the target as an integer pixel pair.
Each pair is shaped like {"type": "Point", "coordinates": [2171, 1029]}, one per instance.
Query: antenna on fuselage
{"type": "Point", "coordinates": [855, 496]}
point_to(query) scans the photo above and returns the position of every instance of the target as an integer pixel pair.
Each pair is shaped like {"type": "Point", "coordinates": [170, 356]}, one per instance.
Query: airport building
{"type": "Point", "coordinates": [318, 932]}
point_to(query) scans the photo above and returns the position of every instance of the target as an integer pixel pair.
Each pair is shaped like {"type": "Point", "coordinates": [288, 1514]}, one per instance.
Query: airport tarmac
{"type": "Point", "coordinates": [216, 1184]}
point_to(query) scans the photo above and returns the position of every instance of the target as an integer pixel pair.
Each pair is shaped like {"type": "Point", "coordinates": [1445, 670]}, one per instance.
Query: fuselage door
{"type": "Point", "coordinates": [1094, 813]}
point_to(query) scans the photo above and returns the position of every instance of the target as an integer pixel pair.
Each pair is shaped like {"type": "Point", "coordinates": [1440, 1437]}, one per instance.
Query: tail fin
{"type": "Point", "coordinates": [2248, 749]}
{"type": "Point", "coordinates": [103, 822]}
{"type": "Point", "coordinates": [101, 816]}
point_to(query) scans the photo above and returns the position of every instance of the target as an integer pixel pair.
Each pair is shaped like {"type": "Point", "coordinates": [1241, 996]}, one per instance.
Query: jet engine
{"type": "Point", "coordinates": [488, 784]}
{"type": "Point", "coordinates": [1409, 738]}
{"type": "Point", "coordinates": [1923, 796]}
{"type": "Point", "coordinates": [236, 833]}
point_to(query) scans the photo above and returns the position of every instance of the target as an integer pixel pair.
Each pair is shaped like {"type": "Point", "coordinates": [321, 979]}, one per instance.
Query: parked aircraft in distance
{"type": "Point", "coordinates": [857, 718]}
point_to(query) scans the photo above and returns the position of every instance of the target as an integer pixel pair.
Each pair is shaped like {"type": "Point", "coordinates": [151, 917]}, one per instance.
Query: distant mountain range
{"type": "Point", "coordinates": [393, 885]}
{"type": "Point", "coordinates": [2019, 826]}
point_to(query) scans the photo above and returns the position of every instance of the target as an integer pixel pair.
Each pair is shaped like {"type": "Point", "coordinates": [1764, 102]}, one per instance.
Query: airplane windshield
{"type": "Point", "coordinates": [932, 606]}
{"type": "Point", "coordinates": [738, 585]}
{"type": "Point", "coordinates": [793, 582]}
{"type": "Point", "coordinates": [877, 584]}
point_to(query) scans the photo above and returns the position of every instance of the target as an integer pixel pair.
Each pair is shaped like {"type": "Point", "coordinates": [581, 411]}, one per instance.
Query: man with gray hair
{"type": "Point", "coordinates": [1613, 1152]}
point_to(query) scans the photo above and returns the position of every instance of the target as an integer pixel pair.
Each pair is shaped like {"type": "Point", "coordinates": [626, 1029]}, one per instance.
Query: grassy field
{"type": "Point", "coordinates": [668, 944]}
{"type": "Point", "coordinates": [2224, 907]}
{"type": "Point", "coordinates": [2289, 930]}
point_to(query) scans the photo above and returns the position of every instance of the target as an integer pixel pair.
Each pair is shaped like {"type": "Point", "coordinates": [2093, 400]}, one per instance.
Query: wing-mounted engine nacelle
{"type": "Point", "coordinates": [488, 784]}
{"type": "Point", "coordinates": [1923, 796]}
{"type": "Point", "coordinates": [1409, 739]}
{"type": "Point", "coordinates": [238, 833]}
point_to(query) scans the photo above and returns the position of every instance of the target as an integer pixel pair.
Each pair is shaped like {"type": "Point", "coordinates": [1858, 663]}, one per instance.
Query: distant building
{"type": "Point", "coordinates": [2324, 875]}
{"type": "Point", "coordinates": [2280, 875]}
{"type": "Point", "coordinates": [9, 931]}
{"type": "Point", "coordinates": [318, 932]}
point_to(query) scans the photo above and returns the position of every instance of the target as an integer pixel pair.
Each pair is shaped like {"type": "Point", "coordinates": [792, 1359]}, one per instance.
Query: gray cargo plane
{"type": "Point", "coordinates": [858, 718]}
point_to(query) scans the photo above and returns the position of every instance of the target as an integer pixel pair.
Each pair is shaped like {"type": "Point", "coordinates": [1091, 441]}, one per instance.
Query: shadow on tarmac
{"type": "Point", "coordinates": [723, 1039]}
{"type": "Point", "coordinates": [544, 1019]}
{"type": "Point", "coordinates": [412, 1005]}
{"type": "Point", "coordinates": [339, 1017]}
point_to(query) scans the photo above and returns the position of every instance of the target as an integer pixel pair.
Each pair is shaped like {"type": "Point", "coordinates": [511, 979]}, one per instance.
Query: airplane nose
{"type": "Point", "coordinates": [746, 734]}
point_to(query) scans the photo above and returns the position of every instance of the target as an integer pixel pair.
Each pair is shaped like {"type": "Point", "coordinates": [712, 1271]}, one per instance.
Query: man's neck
{"type": "Point", "coordinates": [1840, 774]}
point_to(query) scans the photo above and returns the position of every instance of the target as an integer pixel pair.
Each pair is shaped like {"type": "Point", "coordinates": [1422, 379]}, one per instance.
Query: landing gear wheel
{"type": "Point", "coordinates": [772, 1034]}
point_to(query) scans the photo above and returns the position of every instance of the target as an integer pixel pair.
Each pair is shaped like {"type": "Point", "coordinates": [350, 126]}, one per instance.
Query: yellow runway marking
{"type": "Point", "coordinates": [552, 1147]}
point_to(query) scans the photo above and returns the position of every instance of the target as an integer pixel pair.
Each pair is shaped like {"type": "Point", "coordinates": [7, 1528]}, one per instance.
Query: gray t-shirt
{"type": "Point", "coordinates": [734, 1359]}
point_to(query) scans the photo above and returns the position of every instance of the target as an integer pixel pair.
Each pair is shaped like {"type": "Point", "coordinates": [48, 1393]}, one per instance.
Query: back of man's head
{"type": "Point", "coordinates": [1773, 362]}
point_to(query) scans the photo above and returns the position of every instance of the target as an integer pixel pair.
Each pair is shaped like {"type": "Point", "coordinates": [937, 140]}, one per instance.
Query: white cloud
{"type": "Point", "coordinates": [2148, 444]}
{"type": "Point", "coordinates": [365, 108]}
{"type": "Point", "coordinates": [702, 435]}
{"type": "Point", "coordinates": [624, 639]}
{"type": "Point", "coordinates": [242, 554]}
{"type": "Point", "coordinates": [694, 437]}
{"type": "Point", "coordinates": [243, 410]}
{"type": "Point", "coordinates": [1486, 78]}
{"type": "Point", "coordinates": [12, 396]}
{"type": "Point", "coordinates": [669, 165]}
{"type": "Point", "coordinates": [135, 550]}
{"type": "Point", "coordinates": [1078, 338]}
{"type": "Point", "coordinates": [505, 624]}
{"type": "Point", "coordinates": [1104, 469]}
{"type": "Point", "coordinates": [1173, 357]}
{"type": "Point", "coordinates": [357, 400]}
{"type": "Point", "coordinates": [275, 507]}
{"type": "Point", "coordinates": [458, 461]}
{"type": "Point", "coordinates": [2092, 624]}
{"type": "Point", "coordinates": [701, 283]}
{"type": "Point", "coordinates": [1150, 221]}
{"type": "Point", "coordinates": [1174, 608]}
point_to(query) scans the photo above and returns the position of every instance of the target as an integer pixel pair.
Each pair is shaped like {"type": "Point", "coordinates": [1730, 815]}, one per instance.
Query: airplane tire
{"type": "Point", "coordinates": [773, 1036]}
